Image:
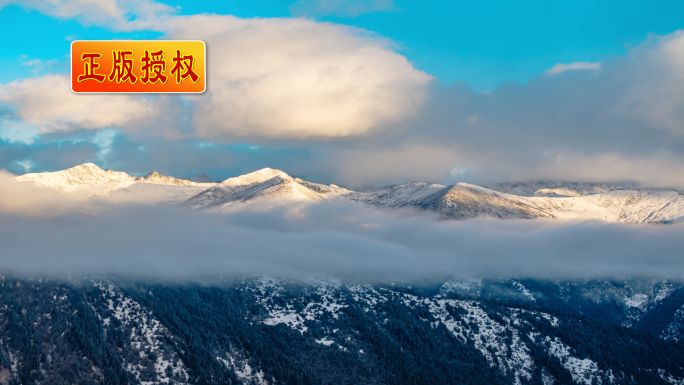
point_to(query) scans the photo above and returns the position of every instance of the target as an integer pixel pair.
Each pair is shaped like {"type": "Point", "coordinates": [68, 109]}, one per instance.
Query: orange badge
{"type": "Point", "coordinates": [138, 66]}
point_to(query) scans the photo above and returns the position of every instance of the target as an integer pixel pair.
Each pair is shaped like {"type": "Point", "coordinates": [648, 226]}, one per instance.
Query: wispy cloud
{"type": "Point", "coordinates": [350, 8]}
{"type": "Point", "coordinates": [115, 14]}
{"type": "Point", "coordinates": [574, 66]}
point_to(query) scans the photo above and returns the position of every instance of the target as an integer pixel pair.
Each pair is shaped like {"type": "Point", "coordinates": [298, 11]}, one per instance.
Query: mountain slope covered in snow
{"type": "Point", "coordinates": [90, 180]}
{"type": "Point", "coordinates": [463, 201]}
{"type": "Point", "coordinates": [266, 185]}
{"type": "Point", "coordinates": [270, 187]}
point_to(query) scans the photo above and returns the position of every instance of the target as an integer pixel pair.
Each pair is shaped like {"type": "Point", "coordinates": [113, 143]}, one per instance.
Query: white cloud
{"type": "Point", "coordinates": [47, 103]}
{"type": "Point", "coordinates": [24, 164]}
{"type": "Point", "coordinates": [663, 170]}
{"type": "Point", "coordinates": [341, 7]}
{"type": "Point", "coordinates": [297, 78]}
{"type": "Point", "coordinates": [424, 162]}
{"type": "Point", "coordinates": [116, 14]}
{"type": "Point", "coordinates": [576, 65]}
{"type": "Point", "coordinates": [275, 78]}
{"type": "Point", "coordinates": [655, 72]}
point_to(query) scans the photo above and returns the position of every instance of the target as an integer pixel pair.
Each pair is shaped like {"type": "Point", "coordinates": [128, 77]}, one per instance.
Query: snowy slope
{"type": "Point", "coordinates": [555, 188]}
{"type": "Point", "coordinates": [459, 201]}
{"type": "Point", "coordinates": [270, 187]}
{"type": "Point", "coordinates": [156, 178]}
{"type": "Point", "coordinates": [84, 176]}
{"type": "Point", "coordinates": [266, 185]}
{"type": "Point", "coordinates": [90, 180]}
{"type": "Point", "coordinates": [463, 200]}
{"type": "Point", "coordinates": [400, 195]}
{"type": "Point", "coordinates": [629, 206]}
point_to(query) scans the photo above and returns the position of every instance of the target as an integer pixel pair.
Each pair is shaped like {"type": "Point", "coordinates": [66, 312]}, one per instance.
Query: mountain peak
{"type": "Point", "coordinates": [83, 169]}
{"type": "Point", "coordinates": [86, 174]}
{"type": "Point", "coordinates": [267, 184]}
{"type": "Point", "coordinates": [201, 178]}
{"type": "Point", "coordinates": [86, 166]}
{"type": "Point", "coordinates": [157, 178]}
{"type": "Point", "coordinates": [258, 176]}
{"type": "Point", "coordinates": [153, 174]}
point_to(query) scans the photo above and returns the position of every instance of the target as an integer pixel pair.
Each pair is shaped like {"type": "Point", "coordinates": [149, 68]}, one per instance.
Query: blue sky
{"type": "Point", "coordinates": [31, 35]}
{"type": "Point", "coordinates": [361, 92]}
{"type": "Point", "coordinates": [483, 43]}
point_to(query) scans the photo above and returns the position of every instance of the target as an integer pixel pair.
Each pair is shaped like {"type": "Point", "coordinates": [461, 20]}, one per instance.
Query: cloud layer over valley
{"type": "Point", "coordinates": [47, 232]}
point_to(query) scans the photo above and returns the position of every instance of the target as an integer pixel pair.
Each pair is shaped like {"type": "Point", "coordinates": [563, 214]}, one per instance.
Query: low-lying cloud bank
{"type": "Point", "coordinates": [340, 239]}
{"type": "Point", "coordinates": [27, 200]}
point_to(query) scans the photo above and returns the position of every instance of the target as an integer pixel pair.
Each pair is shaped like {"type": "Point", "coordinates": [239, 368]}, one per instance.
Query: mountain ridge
{"type": "Point", "coordinates": [519, 200]}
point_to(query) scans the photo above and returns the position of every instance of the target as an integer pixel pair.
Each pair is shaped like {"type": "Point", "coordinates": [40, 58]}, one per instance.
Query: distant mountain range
{"type": "Point", "coordinates": [541, 199]}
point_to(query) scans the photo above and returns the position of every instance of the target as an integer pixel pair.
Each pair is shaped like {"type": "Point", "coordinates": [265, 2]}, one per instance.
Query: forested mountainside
{"type": "Point", "coordinates": [263, 330]}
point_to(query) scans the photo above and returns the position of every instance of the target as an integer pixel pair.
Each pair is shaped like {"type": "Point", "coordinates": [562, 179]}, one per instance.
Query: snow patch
{"type": "Point", "coordinates": [637, 300]}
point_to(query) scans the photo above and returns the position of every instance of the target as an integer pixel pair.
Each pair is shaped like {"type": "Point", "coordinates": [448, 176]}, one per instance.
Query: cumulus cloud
{"type": "Point", "coordinates": [623, 122]}
{"type": "Point", "coordinates": [297, 78]}
{"type": "Point", "coordinates": [46, 104]}
{"type": "Point", "coordinates": [341, 7]}
{"type": "Point", "coordinates": [655, 70]}
{"type": "Point", "coordinates": [268, 78]}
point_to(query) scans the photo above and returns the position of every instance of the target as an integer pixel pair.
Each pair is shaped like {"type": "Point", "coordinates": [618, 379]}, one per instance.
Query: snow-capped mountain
{"type": "Point", "coordinates": [90, 180]}
{"type": "Point", "coordinates": [268, 187]}
{"type": "Point", "coordinates": [462, 201]}
{"type": "Point", "coordinates": [201, 178]}
{"type": "Point", "coordinates": [87, 175]}
{"type": "Point", "coordinates": [556, 188]}
{"type": "Point", "coordinates": [459, 201]}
